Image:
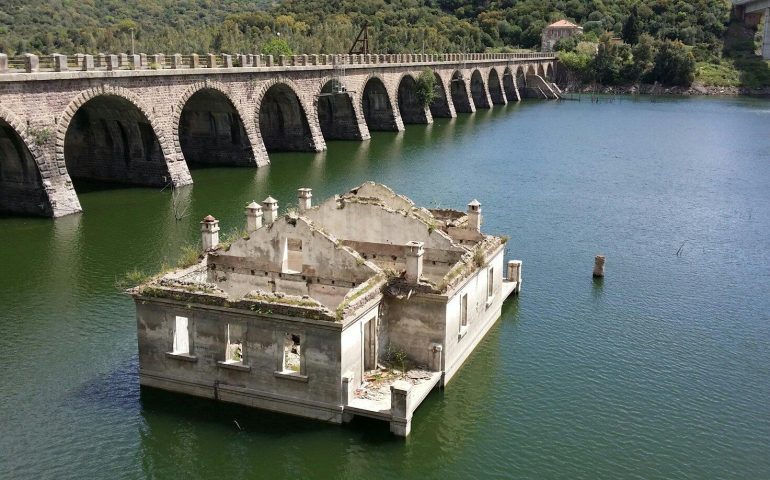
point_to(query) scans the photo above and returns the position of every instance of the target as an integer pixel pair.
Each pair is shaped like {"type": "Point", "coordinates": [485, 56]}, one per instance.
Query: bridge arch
{"type": "Point", "coordinates": [109, 135]}
{"type": "Point", "coordinates": [479, 90]}
{"type": "Point", "coordinates": [22, 190]}
{"type": "Point", "coordinates": [496, 92]}
{"type": "Point", "coordinates": [540, 70]}
{"type": "Point", "coordinates": [440, 107]}
{"type": "Point", "coordinates": [283, 117]}
{"type": "Point", "coordinates": [378, 105]}
{"type": "Point", "coordinates": [510, 84]}
{"type": "Point", "coordinates": [549, 72]}
{"type": "Point", "coordinates": [211, 128]}
{"type": "Point", "coordinates": [409, 106]}
{"type": "Point", "coordinates": [337, 114]}
{"type": "Point", "coordinates": [460, 95]}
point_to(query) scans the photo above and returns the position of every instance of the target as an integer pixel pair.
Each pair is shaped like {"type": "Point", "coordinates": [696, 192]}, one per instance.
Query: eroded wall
{"type": "Point", "coordinates": [315, 393]}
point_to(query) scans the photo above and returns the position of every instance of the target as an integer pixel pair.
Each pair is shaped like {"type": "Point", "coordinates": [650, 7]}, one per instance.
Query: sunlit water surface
{"type": "Point", "coordinates": [660, 371]}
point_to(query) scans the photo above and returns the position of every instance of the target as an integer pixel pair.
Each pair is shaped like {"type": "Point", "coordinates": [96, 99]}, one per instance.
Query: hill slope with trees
{"type": "Point", "coordinates": [690, 31]}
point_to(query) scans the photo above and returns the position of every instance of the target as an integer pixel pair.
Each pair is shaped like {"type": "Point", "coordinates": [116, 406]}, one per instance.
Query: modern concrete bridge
{"type": "Point", "coordinates": [751, 11]}
{"type": "Point", "coordinates": [141, 119]}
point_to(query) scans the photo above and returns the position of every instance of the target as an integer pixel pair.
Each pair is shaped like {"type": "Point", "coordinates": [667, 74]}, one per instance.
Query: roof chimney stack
{"type": "Point", "coordinates": [474, 216]}
{"type": "Point", "coordinates": [414, 253]}
{"type": "Point", "coordinates": [304, 196]}
{"type": "Point", "coordinates": [209, 233]}
{"type": "Point", "coordinates": [270, 209]}
{"type": "Point", "coordinates": [253, 217]}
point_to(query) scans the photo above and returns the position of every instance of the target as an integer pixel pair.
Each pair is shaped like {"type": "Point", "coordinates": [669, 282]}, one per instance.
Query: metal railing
{"type": "Point", "coordinates": [29, 63]}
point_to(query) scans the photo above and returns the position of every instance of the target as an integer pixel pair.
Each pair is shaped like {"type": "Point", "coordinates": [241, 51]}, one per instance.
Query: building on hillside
{"type": "Point", "coordinates": [358, 306]}
{"type": "Point", "coordinates": [556, 31]}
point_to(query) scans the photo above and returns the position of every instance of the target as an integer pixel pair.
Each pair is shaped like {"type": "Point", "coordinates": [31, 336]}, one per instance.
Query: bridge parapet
{"type": "Point", "coordinates": [159, 63]}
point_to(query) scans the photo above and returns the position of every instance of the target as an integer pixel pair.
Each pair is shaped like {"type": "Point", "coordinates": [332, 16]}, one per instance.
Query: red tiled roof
{"type": "Point", "coordinates": [562, 24]}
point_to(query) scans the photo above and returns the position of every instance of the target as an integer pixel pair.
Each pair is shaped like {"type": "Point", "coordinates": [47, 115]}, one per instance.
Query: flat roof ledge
{"type": "Point", "coordinates": [398, 403]}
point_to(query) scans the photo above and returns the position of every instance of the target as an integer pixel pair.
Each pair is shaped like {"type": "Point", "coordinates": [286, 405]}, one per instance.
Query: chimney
{"type": "Point", "coordinates": [253, 217]}
{"type": "Point", "coordinates": [474, 216]}
{"type": "Point", "coordinates": [209, 233]}
{"type": "Point", "coordinates": [414, 253]}
{"type": "Point", "coordinates": [270, 209]}
{"type": "Point", "coordinates": [303, 197]}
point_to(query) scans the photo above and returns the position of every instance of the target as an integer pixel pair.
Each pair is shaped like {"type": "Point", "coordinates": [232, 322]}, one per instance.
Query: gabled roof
{"type": "Point", "coordinates": [563, 24]}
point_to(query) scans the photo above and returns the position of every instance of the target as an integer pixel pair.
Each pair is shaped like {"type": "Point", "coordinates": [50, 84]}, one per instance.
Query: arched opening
{"type": "Point", "coordinates": [439, 107]}
{"type": "Point", "coordinates": [495, 90]}
{"type": "Point", "coordinates": [540, 70]}
{"type": "Point", "coordinates": [110, 140]}
{"type": "Point", "coordinates": [549, 72]}
{"type": "Point", "coordinates": [335, 113]}
{"type": "Point", "coordinates": [21, 186]}
{"type": "Point", "coordinates": [460, 94]}
{"type": "Point", "coordinates": [282, 121]}
{"type": "Point", "coordinates": [377, 109]}
{"type": "Point", "coordinates": [212, 133]}
{"type": "Point", "coordinates": [478, 91]}
{"type": "Point", "coordinates": [409, 103]}
{"type": "Point", "coordinates": [509, 85]}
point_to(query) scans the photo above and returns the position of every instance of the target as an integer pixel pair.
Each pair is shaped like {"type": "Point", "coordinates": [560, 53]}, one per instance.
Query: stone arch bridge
{"type": "Point", "coordinates": [140, 119]}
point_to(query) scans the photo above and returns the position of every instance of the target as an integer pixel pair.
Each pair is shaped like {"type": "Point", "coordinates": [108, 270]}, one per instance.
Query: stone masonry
{"type": "Point", "coordinates": [39, 98]}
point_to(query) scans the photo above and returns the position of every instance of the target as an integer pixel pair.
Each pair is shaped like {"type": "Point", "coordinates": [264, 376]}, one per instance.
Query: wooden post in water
{"type": "Point", "coordinates": [599, 266]}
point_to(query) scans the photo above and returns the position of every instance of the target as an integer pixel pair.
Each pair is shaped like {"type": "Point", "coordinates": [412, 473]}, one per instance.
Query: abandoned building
{"type": "Point", "coordinates": [556, 31]}
{"type": "Point", "coordinates": [358, 306]}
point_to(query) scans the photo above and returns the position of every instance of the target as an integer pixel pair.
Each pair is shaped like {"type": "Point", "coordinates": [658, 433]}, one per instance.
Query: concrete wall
{"type": "Point", "coordinates": [365, 222]}
{"type": "Point", "coordinates": [415, 325]}
{"type": "Point", "coordinates": [353, 347]}
{"type": "Point", "coordinates": [483, 312]}
{"type": "Point", "coordinates": [316, 393]}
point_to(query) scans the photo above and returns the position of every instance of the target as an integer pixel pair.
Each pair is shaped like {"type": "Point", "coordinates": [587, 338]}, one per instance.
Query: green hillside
{"type": "Point", "coordinates": [323, 26]}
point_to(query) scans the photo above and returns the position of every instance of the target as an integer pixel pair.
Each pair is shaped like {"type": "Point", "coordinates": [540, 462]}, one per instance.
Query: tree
{"type": "Point", "coordinates": [674, 64]}
{"type": "Point", "coordinates": [631, 29]}
{"type": "Point", "coordinates": [276, 47]}
{"type": "Point", "coordinates": [644, 53]}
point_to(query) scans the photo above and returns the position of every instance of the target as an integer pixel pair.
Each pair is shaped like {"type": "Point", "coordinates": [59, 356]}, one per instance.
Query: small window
{"type": "Point", "coordinates": [464, 311]}
{"type": "Point", "coordinates": [292, 354]}
{"type": "Point", "coordinates": [234, 348]}
{"type": "Point", "coordinates": [491, 283]}
{"type": "Point", "coordinates": [181, 336]}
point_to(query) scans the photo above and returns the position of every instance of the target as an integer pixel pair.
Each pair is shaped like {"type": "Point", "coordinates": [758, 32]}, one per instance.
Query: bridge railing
{"type": "Point", "coordinates": [29, 63]}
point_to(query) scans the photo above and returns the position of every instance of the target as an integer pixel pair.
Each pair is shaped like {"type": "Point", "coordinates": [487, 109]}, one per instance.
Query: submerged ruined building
{"type": "Point", "coordinates": [303, 312]}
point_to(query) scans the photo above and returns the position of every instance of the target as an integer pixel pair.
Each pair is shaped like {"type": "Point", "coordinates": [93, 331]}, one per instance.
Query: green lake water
{"type": "Point", "coordinates": [662, 370]}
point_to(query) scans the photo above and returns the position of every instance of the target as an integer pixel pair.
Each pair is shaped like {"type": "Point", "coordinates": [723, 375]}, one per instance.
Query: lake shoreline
{"type": "Point", "coordinates": [651, 89]}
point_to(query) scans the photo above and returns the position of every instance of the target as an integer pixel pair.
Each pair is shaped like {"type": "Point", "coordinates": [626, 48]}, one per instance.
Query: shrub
{"type": "Point", "coordinates": [426, 87]}
{"type": "Point", "coordinates": [674, 64]}
{"type": "Point", "coordinates": [276, 47]}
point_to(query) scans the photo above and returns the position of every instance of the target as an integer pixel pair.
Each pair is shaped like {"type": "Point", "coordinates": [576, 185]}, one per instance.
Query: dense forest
{"type": "Point", "coordinates": [323, 26]}
{"type": "Point", "coordinates": [691, 31]}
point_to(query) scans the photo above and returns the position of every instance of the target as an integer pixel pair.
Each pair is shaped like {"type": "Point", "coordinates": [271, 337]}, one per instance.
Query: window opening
{"type": "Point", "coordinates": [181, 336]}
{"type": "Point", "coordinates": [292, 354]}
{"type": "Point", "coordinates": [234, 349]}
{"type": "Point", "coordinates": [464, 311]}
{"type": "Point", "coordinates": [292, 257]}
{"type": "Point", "coordinates": [491, 282]}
